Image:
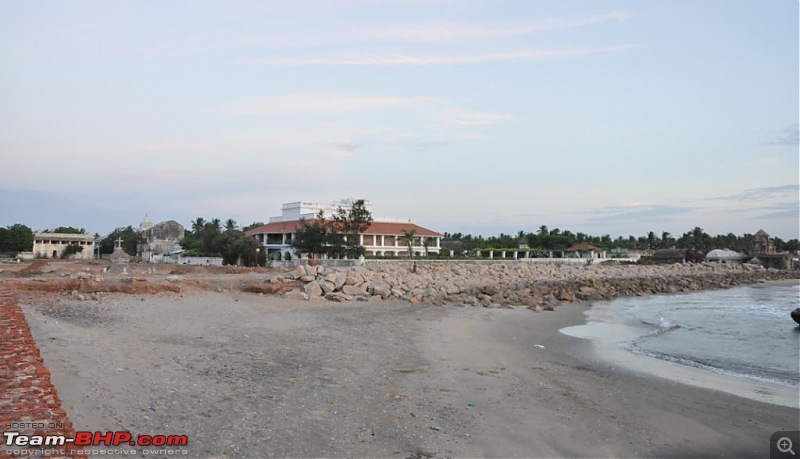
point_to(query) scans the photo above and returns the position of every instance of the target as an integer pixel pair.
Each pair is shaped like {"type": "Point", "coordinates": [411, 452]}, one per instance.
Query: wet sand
{"type": "Point", "coordinates": [257, 376]}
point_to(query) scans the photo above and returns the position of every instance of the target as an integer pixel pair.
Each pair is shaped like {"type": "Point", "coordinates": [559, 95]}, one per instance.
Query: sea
{"type": "Point", "coordinates": [743, 331]}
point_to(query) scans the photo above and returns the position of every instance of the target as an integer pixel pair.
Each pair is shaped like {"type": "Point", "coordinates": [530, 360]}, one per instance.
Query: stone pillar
{"type": "Point", "coordinates": [515, 254]}
{"type": "Point", "coordinates": [452, 253]}
{"type": "Point", "coordinates": [502, 254]}
{"type": "Point", "coordinates": [491, 254]}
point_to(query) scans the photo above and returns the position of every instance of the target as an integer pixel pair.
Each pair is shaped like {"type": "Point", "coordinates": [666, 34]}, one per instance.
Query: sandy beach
{"type": "Point", "coordinates": [247, 375]}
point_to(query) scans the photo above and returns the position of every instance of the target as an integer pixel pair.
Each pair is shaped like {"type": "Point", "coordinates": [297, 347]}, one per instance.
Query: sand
{"type": "Point", "coordinates": [248, 375]}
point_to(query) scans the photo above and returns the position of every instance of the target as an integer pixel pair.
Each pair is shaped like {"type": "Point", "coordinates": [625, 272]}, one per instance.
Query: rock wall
{"type": "Point", "coordinates": [516, 283]}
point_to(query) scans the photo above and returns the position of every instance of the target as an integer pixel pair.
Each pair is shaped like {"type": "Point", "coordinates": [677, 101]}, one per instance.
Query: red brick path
{"type": "Point", "coordinates": [26, 393]}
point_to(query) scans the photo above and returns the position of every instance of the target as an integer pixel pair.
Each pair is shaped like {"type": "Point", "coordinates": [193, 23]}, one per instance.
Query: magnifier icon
{"type": "Point", "coordinates": [785, 445]}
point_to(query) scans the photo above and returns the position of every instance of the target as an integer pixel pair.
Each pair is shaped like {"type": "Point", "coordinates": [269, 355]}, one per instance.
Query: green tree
{"type": "Point", "coordinates": [67, 230]}
{"type": "Point", "coordinates": [252, 226]}
{"type": "Point", "coordinates": [408, 237]}
{"type": "Point", "coordinates": [130, 239]}
{"type": "Point", "coordinates": [71, 250]}
{"type": "Point", "coordinates": [311, 237]}
{"type": "Point", "coordinates": [230, 224]}
{"type": "Point", "coordinates": [347, 226]}
{"type": "Point", "coordinates": [16, 238]}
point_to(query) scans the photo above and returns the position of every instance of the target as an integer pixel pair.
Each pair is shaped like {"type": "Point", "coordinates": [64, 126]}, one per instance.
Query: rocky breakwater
{"type": "Point", "coordinates": [509, 284]}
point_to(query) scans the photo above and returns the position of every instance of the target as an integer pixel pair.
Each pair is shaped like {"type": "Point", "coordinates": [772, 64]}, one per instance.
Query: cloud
{"type": "Point", "coordinates": [415, 60]}
{"type": "Point", "coordinates": [473, 118]}
{"type": "Point", "coordinates": [309, 103]}
{"type": "Point", "coordinates": [789, 135]}
{"type": "Point", "coordinates": [639, 212]}
{"type": "Point", "coordinates": [760, 194]}
{"type": "Point", "coordinates": [460, 32]}
{"type": "Point", "coordinates": [344, 150]}
{"type": "Point", "coordinates": [778, 211]}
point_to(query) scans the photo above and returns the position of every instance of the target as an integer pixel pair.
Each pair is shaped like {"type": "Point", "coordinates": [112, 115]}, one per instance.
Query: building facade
{"type": "Point", "coordinates": [53, 245]}
{"type": "Point", "coordinates": [159, 240]}
{"type": "Point", "coordinates": [382, 238]}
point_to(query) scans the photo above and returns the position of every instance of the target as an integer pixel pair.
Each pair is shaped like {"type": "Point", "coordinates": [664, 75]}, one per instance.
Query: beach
{"type": "Point", "coordinates": [249, 375]}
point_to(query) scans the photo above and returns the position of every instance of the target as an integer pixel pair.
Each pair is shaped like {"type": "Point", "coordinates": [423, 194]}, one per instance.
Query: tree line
{"type": "Point", "coordinates": [556, 239]}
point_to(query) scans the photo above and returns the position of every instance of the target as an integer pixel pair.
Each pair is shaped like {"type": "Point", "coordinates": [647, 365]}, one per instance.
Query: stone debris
{"type": "Point", "coordinates": [539, 287]}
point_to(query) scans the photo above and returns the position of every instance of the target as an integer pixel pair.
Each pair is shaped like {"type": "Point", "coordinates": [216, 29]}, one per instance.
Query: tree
{"type": "Point", "coordinates": [16, 238]}
{"type": "Point", "coordinates": [238, 249]}
{"type": "Point", "coordinates": [426, 243]}
{"type": "Point", "coordinates": [71, 250]}
{"type": "Point", "coordinates": [347, 226]}
{"type": "Point", "coordinates": [67, 230]}
{"type": "Point", "coordinates": [230, 224]}
{"type": "Point", "coordinates": [311, 237]}
{"type": "Point", "coordinates": [252, 226]}
{"type": "Point", "coordinates": [408, 237]}
{"type": "Point", "coordinates": [130, 239]}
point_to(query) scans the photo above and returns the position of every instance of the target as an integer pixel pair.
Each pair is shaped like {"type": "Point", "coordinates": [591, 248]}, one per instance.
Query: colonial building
{"type": "Point", "coordinates": [159, 240]}
{"type": "Point", "coordinates": [382, 238]}
{"type": "Point", "coordinates": [53, 245]}
{"type": "Point", "coordinates": [766, 255]}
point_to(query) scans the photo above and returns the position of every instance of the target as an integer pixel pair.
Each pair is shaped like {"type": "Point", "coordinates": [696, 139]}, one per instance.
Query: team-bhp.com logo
{"type": "Point", "coordinates": [84, 438]}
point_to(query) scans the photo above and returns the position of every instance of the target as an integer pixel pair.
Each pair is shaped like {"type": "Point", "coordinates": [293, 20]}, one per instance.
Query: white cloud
{"type": "Point", "coordinates": [308, 103]}
{"type": "Point", "coordinates": [460, 32]}
{"type": "Point", "coordinates": [399, 59]}
{"type": "Point", "coordinates": [472, 118]}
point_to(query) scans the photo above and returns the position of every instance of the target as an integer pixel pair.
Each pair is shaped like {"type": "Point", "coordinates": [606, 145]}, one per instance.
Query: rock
{"type": "Point", "coordinates": [298, 272]}
{"type": "Point", "coordinates": [313, 289]}
{"type": "Point", "coordinates": [327, 287]}
{"type": "Point", "coordinates": [174, 278]}
{"type": "Point", "coordinates": [339, 280]}
{"type": "Point", "coordinates": [308, 278]}
{"type": "Point", "coordinates": [564, 295]}
{"type": "Point", "coordinates": [379, 287]}
{"type": "Point", "coordinates": [338, 297]}
{"type": "Point", "coordinates": [355, 290]}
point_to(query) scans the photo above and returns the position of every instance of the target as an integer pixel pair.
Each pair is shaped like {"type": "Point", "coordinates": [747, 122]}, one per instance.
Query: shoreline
{"type": "Point", "coordinates": [247, 375]}
{"type": "Point", "coordinates": [608, 330]}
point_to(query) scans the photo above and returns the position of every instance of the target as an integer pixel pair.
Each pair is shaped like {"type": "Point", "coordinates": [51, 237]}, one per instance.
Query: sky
{"type": "Point", "coordinates": [481, 117]}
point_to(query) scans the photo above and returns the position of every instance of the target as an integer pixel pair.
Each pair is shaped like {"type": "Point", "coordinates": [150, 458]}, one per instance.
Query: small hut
{"type": "Point", "coordinates": [726, 256]}
{"type": "Point", "coordinates": [669, 256]}
{"type": "Point", "coordinates": [584, 251]}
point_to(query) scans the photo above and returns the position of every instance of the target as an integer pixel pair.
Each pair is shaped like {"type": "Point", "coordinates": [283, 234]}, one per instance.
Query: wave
{"type": "Point", "coordinates": [788, 381]}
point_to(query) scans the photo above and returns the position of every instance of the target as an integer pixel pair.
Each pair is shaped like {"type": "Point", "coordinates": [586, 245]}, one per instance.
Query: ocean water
{"type": "Point", "coordinates": [742, 331]}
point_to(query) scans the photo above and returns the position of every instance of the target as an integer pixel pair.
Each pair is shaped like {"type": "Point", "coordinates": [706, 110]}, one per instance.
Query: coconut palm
{"type": "Point", "coordinates": [408, 236]}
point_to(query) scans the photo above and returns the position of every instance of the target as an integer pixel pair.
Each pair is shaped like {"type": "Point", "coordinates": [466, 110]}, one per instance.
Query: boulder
{"type": "Point", "coordinates": [313, 289]}
{"type": "Point", "coordinates": [339, 279]}
{"type": "Point", "coordinates": [355, 290]}
{"type": "Point", "coordinates": [379, 287]}
{"type": "Point", "coordinates": [339, 297]}
{"type": "Point", "coordinates": [327, 287]}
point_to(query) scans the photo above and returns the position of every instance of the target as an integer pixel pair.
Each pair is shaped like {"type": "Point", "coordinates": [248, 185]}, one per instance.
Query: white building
{"type": "Point", "coordinates": [295, 211]}
{"type": "Point", "coordinates": [52, 245]}
{"type": "Point", "coordinates": [382, 238]}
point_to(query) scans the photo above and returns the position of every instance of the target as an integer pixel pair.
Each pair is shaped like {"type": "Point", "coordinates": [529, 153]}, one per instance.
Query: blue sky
{"type": "Point", "coordinates": [607, 117]}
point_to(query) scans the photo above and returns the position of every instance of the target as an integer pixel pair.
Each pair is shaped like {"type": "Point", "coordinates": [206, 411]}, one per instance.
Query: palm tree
{"type": "Point", "coordinates": [198, 224]}
{"type": "Point", "coordinates": [230, 224]}
{"type": "Point", "coordinates": [408, 236]}
{"type": "Point", "coordinates": [427, 242]}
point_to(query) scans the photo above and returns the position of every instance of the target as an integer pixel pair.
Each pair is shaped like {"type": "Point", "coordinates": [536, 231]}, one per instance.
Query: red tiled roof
{"type": "Point", "coordinates": [583, 248]}
{"type": "Point", "coordinates": [375, 228]}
